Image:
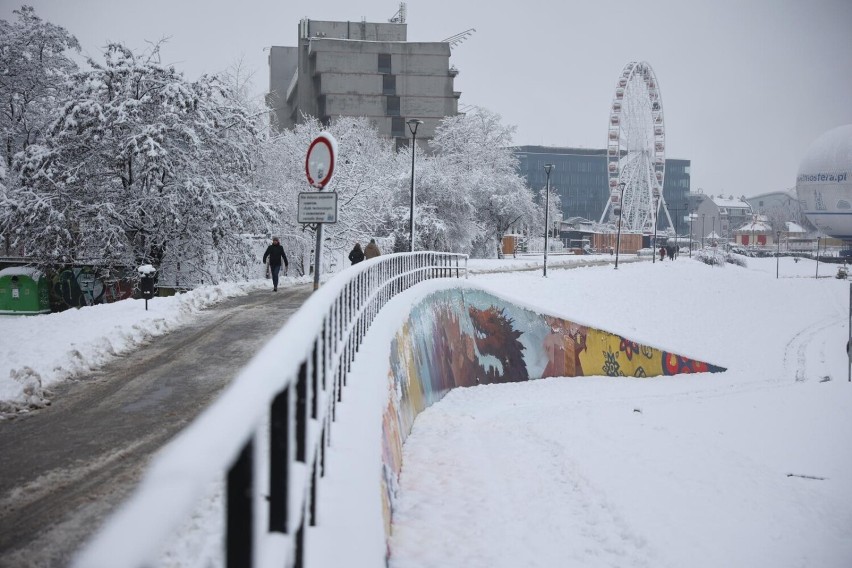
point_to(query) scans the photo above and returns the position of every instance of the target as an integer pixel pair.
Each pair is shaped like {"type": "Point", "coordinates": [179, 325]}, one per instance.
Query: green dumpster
{"type": "Point", "coordinates": [23, 290]}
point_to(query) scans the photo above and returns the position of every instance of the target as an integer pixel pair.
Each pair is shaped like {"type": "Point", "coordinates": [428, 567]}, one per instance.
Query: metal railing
{"type": "Point", "coordinates": [274, 419]}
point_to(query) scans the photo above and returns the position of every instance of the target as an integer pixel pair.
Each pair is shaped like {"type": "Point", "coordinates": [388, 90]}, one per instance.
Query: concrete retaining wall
{"type": "Point", "coordinates": [463, 337]}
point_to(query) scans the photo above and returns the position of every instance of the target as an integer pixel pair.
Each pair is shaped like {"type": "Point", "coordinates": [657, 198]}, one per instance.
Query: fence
{"type": "Point", "coordinates": [272, 423]}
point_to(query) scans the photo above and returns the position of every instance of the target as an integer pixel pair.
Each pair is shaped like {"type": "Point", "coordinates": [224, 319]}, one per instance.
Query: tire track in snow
{"type": "Point", "coordinates": [808, 345]}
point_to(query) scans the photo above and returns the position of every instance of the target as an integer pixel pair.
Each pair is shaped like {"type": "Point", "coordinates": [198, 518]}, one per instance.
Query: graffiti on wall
{"type": "Point", "coordinates": [78, 287]}
{"type": "Point", "coordinates": [467, 337]}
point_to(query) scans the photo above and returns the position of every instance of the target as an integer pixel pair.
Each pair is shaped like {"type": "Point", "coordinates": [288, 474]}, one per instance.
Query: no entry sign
{"type": "Point", "coordinates": [319, 163]}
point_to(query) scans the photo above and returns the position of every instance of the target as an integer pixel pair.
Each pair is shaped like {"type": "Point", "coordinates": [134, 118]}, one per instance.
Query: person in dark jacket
{"type": "Point", "coordinates": [372, 250]}
{"type": "Point", "coordinates": [275, 254]}
{"type": "Point", "coordinates": [357, 255]}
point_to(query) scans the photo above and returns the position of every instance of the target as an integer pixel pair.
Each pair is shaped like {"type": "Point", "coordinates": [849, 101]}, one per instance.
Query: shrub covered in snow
{"type": "Point", "coordinates": [735, 259]}
{"type": "Point", "coordinates": [710, 256]}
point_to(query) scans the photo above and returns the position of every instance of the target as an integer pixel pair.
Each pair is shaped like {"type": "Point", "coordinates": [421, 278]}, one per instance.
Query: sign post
{"type": "Point", "coordinates": [318, 207]}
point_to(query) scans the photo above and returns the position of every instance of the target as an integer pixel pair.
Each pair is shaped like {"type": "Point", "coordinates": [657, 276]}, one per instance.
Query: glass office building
{"type": "Point", "coordinates": [580, 179]}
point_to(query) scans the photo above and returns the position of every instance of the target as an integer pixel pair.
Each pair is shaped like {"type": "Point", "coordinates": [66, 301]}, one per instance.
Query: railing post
{"type": "Point", "coordinates": [299, 561]}
{"type": "Point", "coordinates": [240, 516]}
{"type": "Point", "coordinates": [323, 443]}
{"type": "Point", "coordinates": [338, 323]}
{"type": "Point", "coordinates": [324, 337]}
{"type": "Point", "coordinates": [302, 412]}
{"type": "Point", "coordinates": [315, 377]}
{"type": "Point", "coordinates": [279, 461]}
{"type": "Point", "coordinates": [314, 482]}
{"type": "Point", "coordinates": [360, 311]}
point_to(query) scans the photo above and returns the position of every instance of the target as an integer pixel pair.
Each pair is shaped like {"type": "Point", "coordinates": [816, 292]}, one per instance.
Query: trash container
{"type": "Point", "coordinates": [147, 284]}
{"type": "Point", "coordinates": [24, 291]}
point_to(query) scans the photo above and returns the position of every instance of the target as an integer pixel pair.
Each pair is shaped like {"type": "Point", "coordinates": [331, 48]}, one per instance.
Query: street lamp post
{"type": "Point", "coordinates": [618, 235]}
{"type": "Point", "coordinates": [778, 252]}
{"type": "Point", "coordinates": [547, 170]}
{"type": "Point", "coordinates": [817, 259]}
{"type": "Point", "coordinates": [702, 230]}
{"type": "Point", "coordinates": [412, 126]}
{"type": "Point", "coordinates": [656, 211]}
{"type": "Point", "coordinates": [691, 215]}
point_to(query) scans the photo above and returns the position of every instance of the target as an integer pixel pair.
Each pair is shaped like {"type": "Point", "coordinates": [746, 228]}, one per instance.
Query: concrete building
{"type": "Point", "coordinates": [362, 69]}
{"type": "Point", "coordinates": [780, 207]}
{"type": "Point", "coordinates": [580, 179]}
{"type": "Point", "coordinates": [717, 217]}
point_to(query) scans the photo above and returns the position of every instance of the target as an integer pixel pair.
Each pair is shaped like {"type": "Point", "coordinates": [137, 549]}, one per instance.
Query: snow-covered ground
{"type": "Point", "coordinates": [37, 352]}
{"type": "Point", "coordinates": [750, 467]}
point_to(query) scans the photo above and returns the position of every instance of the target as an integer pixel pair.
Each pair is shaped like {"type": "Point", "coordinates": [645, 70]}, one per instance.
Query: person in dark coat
{"type": "Point", "coordinates": [357, 255]}
{"type": "Point", "coordinates": [372, 250]}
{"type": "Point", "coordinates": [662, 253]}
{"type": "Point", "coordinates": [275, 254]}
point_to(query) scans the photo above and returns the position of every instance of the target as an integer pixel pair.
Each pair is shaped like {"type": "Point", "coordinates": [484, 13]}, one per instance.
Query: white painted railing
{"type": "Point", "coordinates": [275, 419]}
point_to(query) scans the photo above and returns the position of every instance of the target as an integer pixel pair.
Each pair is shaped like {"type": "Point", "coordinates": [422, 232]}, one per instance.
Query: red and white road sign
{"type": "Point", "coordinates": [319, 163]}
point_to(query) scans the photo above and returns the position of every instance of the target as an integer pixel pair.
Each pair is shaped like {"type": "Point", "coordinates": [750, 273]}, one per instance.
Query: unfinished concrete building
{"type": "Point", "coordinates": [363, 69]}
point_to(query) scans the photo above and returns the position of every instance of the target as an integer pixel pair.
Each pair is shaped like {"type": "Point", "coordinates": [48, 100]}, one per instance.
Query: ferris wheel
{"type": "Point", "coordinates": [636, 151]}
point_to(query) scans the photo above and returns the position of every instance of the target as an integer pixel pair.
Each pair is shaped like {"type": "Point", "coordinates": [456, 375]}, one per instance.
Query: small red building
{"type": "Point", "coordinates": [756, 232]}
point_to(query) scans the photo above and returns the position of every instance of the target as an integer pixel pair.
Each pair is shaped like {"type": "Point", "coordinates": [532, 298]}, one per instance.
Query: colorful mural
{"type": "Point", "coordinates": [466, 337]}
{"type": "Point", "coordinates": [78, 287]}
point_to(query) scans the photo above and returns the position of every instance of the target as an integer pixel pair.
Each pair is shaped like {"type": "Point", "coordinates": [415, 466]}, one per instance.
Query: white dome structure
{"type": "Point", "coordinates": [824, 183]}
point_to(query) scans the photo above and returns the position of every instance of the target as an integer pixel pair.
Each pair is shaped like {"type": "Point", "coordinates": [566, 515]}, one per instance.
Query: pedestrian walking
{"type": "Point", "coordinates": [662, 253]}
{"type": "Point", "coordinates": [372, 250]}
{"type": "Point", "coordinates": [356, 255]}
{"type": "Point", "coordinates": [276, 256]}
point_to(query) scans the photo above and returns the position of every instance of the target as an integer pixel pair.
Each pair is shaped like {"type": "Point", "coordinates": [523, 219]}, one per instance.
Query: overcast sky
{"type": "Point", "coordinates": [746, 85]}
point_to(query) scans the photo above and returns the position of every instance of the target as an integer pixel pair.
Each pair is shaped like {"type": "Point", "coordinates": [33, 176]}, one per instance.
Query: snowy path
{"type": "Point", "coordinates": [65, 467]}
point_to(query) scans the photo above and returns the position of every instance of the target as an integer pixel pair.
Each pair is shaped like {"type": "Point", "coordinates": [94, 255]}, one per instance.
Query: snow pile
{"type": "Point", "coordinates": [39, 351]}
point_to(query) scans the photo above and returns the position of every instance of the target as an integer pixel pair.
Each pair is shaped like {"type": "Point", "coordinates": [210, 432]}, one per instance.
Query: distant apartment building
{"type": "Point", "coordinates": [780, 207]}
{"type": "Point", "coordinates": [580, 179]}
{"type": "Point", "coordinates": [718, 217]}
{"type": "Point", "coordinates": [362, 69]}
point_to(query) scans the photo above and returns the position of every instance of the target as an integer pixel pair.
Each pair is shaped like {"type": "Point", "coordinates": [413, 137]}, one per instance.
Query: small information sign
{"type": "Point", "coordinates": [317, 207]}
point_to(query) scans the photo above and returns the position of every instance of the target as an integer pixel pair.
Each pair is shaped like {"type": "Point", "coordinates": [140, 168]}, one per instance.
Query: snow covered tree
{"type": "Point", "coordinates": [472, 185]}
{"type": "Point", "coordinates": [364, 176]}
{"type": "Point", "coordinates": [142, 166]}
{"type": "Point", "coordinates": [34, 75]}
